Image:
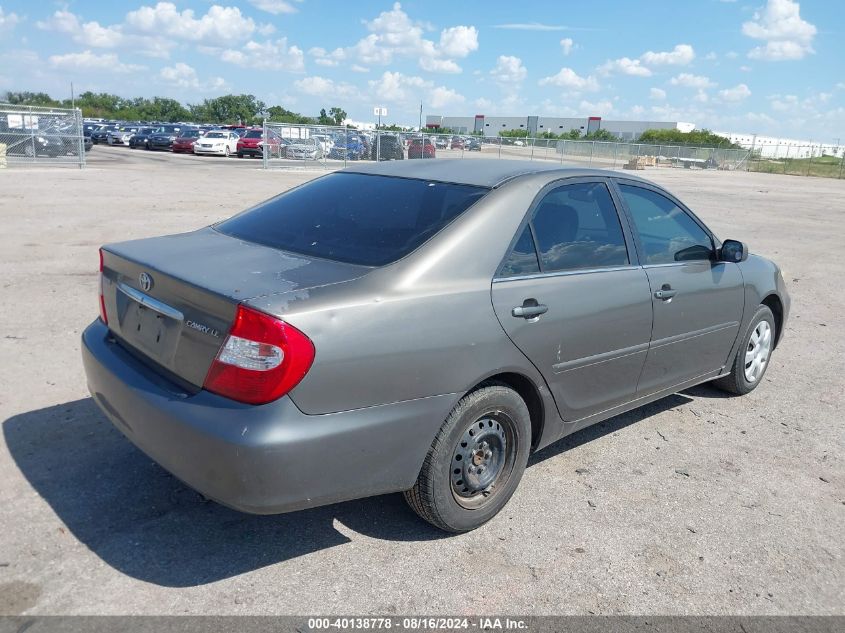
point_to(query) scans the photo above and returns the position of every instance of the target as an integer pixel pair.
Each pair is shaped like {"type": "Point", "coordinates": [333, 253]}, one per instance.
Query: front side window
{"type": "Point", "coordinates": [667, 233]}
{"type": "Point", "coordinates": [576, 227]}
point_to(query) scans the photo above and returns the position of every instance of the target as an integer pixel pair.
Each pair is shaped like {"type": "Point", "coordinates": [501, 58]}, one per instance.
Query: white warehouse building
{"type": "Point", "coordinates": [778, 147]}
{"type": "Point", "coordinates": [536, 125]}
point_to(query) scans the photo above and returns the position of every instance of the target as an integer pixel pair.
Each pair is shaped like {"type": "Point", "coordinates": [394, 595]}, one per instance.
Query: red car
{"type": "Point", "coordinates": [419, 148]}
{"type": "Point", "coordinates": [184, 143]}
{"type": "Point", "coordinates": [252, 144]}
{"type": "Point", "coordinates": [457, 143]}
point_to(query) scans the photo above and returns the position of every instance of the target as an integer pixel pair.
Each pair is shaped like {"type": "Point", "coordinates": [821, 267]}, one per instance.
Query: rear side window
{"type": "Point", "coordinates": [523, 257]}
{"type": "Point", "coordinates": [360, 219]}
{"type": "Point", "coordinates": [577, 226]}
{"type": "Point", "coordinates": [668, 234]}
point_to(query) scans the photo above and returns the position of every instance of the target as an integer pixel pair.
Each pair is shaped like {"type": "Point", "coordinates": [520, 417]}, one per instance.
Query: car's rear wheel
{"type": "Point", "coordinates": [752, 358]}
{"type": "Point", "coordinates": [475, 462]}
{"type": "Point", "coordinates": [240, 154]}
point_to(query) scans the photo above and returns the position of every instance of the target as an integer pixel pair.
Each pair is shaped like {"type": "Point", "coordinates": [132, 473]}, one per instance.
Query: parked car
{"type": "Point", "coordinates": [474, 145]}
{"type": "Point", "coordinates": [441, 142]}
{"type": "Point", "coordinates": [184, 143]}
{"type": "Point", "coordinates": [418, 328]}
{"type": "Point", "coordinates": [121, 135]}
{"type": "Point", "coordinates": [141, 138]}
{"type": "Point", "coordinates": [349, 146]}
{"type": "Point", "coordinates": [388, 147]}
{"type": "Point", "coordinates": [421, 148]}
{"type": "Point", "coordinates": [100, 134]}
{"type": "Point", "coordinates": [219, 142]}
{"type": "Point", "coordinates": [304, 149]}
{"type": "Point", "coordinates": [252, 144]}
{"type": "Point", "coordinates": [457, 143]}
{"type": "Point", "coordinates": [164, 137]}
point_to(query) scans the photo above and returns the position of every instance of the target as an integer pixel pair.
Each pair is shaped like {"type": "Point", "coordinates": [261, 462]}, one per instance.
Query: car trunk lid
{"type": "Point", "coordinates": [172, 300]}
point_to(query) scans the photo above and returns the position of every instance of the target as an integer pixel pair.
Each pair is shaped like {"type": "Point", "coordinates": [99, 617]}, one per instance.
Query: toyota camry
{"type": "Point", "coordinates": [418, 327]}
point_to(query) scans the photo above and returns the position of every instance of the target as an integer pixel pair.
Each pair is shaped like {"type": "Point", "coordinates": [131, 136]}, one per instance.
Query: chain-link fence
{"type": "Point", "coordinates": [33, 135]}
{"type": "Point", "coordinates": [329, 147]}
{"type": "Point", "coordinates": [798, 160]}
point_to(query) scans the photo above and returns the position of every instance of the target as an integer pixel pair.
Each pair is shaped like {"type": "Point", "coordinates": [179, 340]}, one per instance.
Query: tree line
{"type": "Point", "coordinates": [243, 108]}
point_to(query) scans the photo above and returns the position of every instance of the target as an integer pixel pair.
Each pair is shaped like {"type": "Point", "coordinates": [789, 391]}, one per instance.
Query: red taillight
{"type": "Point", "coordinates": [103, 316]}
{"type": "Point", "coordinates": [261, 360]}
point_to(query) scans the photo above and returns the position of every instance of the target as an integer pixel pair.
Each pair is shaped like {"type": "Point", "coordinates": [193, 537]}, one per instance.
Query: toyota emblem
{"type": "Point", "coordinates": [146, 282]}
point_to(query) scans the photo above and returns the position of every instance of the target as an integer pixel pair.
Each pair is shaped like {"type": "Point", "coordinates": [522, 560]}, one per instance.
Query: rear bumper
{"type": "Point", "coordinates": [251, 151]}
{"type": "Point", "coordinates": [260, 459]}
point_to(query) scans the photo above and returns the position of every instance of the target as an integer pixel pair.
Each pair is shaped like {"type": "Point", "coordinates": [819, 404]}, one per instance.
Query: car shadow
{"type": "Point", "coordinates": [611, 425]}
{"type": "Point", "coordinates": [145, 523]}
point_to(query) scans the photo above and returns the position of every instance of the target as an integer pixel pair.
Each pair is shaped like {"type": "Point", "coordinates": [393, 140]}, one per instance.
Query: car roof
{"type": "Point", "coordinates": [480, 173]}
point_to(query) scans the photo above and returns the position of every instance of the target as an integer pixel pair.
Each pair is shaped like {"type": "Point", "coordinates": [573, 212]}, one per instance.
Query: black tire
{"type": "Point", "coordinates": [491, 428]}
{"type": "Point", "coordinates": [240, 155]}
{"type": "Point", "coordinates": [736, 382]}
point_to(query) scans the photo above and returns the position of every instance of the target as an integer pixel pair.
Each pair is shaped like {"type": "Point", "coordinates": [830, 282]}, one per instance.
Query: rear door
{"type": "Point", "coordinates": [571, 297]}
{"type": "Point", "coordinates": [698, 301]}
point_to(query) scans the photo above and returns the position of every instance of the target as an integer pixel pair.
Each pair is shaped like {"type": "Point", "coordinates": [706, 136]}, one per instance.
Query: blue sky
{"type": "Point", "coordinates": [763, 66]}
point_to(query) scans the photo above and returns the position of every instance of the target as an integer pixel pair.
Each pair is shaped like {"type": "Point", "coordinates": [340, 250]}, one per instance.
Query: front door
{"type": "Point", "coordinates": [698, 301]}
{"type": "Point", "coordinates": [568, 296]}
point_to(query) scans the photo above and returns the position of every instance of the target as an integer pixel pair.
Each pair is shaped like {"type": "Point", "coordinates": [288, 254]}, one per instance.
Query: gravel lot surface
{"type": "Point", "coordinates": [697, 504]}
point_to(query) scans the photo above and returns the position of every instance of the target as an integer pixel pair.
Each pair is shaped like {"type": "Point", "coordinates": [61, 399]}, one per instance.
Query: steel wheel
{"type": "Point", "coordinates": [757, 351]}
{"type": "Point", "coordinates": [483, 459]}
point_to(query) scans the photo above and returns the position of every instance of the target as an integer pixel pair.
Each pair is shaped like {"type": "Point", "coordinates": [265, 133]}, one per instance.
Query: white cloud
{"type": "Point", "coordinates": [531, 26]}
{"type": "Point", "coordinates": [398, 87]}
{"type": "Point", "coordinates": [86, 33]}
{"type": "Point", "coordinates": [701, 97]}
{"type": "Point", "coordinates": [746, 69]}
{"type": "Point", "coordinates": [441, 96]}
{"type": "Point", "coordinates": [566, 45]}
{"type": "Point", "coordinates": [322, 87]}
{"type": "Point", "coordinates": [731, 55]}
{"type": "Point", "coordinates": [275, 7]}
{"type": "Point", "coordinates": [268, 55]}
{"type": "Point", "coordinates": [597, 108]}
{"type": "Point", "coordinates": [355, 68]}
{"type": "Point", "coordinates": [8, 21]}
{"type": "Point", "coordinates": [711, 56]}
{"type": "Point", "coordinates": [688, 80]}
{"type": "Point", "coordinates": [394, 34]}
{"type": "Point", "coordinates": [183, 76]}
{"type": "Point", "coordinates": [325, 58]}
{"type": "Point", "coordinates": [657, 94]}
{"type": "Point", "coordinates": [87, 60]}
{"type": "Point", "coordinates": [218, 25]}
{"type": "Point", "coordinates": [508, 70]}
{"type": "Point", "coordinates": [786, 34]}
{"type": "Point", "coordinates": [568, 78]}
{"type": "Point", "coordinates": [681, 55]}
{"type": "Point", "coordinates": [735, 94]}
{"type": "Point", "coordinates": [458, 41]}
{"type": "Point", "coordinates": [625, 66]}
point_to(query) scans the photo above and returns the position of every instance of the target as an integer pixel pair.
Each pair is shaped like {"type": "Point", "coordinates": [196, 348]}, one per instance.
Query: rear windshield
{"type": "Point", "coordinates": [354, 218]}
{"type": "Point", "coordinates": [254, 134]}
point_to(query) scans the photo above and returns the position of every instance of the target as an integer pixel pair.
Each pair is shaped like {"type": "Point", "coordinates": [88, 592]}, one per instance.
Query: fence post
{"type": "Point", "coordinates": [533, 140]}
{"type": "Point", "coordinates": [592, 149]}
{"type": "Point", "coordinates": [615, 153]}
{"type": "Point", "coordinates": [500, 147]}
{"type": "Point", "coordinates": [810, 162]}
{"type": "Point", "coordinates": [31, 136]}
{"type": "Point", "coordinates": [841, 163]}
{"type": "Point", "coordinates": [80, 140]}
{"type": "Point", "coordinates": [265, 137]}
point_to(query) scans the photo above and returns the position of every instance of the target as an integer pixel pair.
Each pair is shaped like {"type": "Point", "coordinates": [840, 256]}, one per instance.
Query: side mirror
{"type": "Point", "coordinates": [733, 251]}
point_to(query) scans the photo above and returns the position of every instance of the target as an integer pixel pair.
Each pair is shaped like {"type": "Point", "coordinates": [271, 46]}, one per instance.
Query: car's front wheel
{"type": "Point", "coordinates": [475, 462]}
{"type": "Point", "coordinates": [752, 358]}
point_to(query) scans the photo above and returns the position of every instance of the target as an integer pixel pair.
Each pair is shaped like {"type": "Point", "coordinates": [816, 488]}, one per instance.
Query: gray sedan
{"type": "Point", "coordinates": [418, 327]}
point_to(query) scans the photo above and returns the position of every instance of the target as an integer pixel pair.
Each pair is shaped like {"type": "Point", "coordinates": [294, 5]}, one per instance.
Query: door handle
{"type": "Point", "coordinates": [665, 293]}
{"type": "Point", "coordinates": [529, 309]}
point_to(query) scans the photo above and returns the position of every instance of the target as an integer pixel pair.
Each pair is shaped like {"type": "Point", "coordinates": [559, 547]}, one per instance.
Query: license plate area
{"type": "Point", "coordinates": [148, 324]}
